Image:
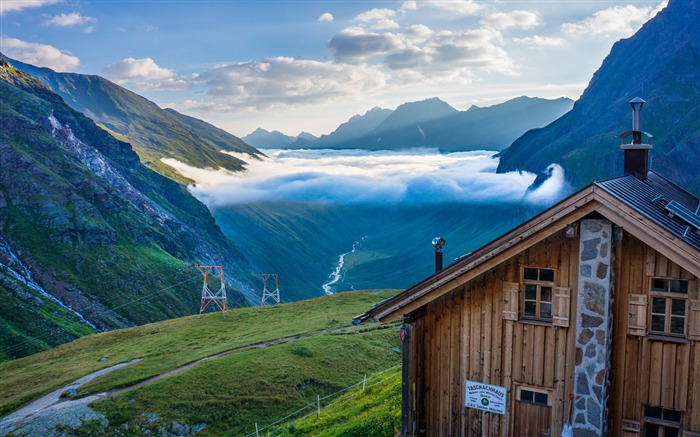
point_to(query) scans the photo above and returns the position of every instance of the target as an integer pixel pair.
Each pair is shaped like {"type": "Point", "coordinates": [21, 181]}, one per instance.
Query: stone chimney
{"type": "Point", "coordinates": [636, 154]}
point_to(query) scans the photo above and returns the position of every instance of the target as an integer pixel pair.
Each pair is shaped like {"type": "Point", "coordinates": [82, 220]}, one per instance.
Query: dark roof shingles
{"type": "Point", "coordinates": [650, 198]}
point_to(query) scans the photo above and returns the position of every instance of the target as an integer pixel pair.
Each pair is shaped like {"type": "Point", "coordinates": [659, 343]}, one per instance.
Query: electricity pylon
{"type": "Point", "coordinates": [218, 297]}
{"type": "Point", "coordinates": [267, 294]}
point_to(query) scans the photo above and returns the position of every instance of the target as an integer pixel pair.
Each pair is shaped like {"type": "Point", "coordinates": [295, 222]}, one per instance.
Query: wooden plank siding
{"type": "Point", "coordinates": [646, 369]}
{"type": "Point", "coordinates": [463, 334]}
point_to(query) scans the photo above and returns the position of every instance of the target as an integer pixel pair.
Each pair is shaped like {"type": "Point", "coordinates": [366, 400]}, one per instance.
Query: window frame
{"type": "Point", "coordinates": [539, 284]}
{"type": "Point", "coordinates": [661, 423]}
{"type": "Point", "coordinates": [535, 391]}
{"type": "Point", "coordinates": [666, 294]}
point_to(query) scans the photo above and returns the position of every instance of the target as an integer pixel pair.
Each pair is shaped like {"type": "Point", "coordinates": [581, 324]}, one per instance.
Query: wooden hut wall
{"type": "Point", "coordinates": [650, 370]}
{"type": "Point", "coordinates": [463, 336]}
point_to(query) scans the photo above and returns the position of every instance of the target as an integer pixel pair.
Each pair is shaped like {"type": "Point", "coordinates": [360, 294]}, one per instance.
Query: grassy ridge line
{"type": "Point", "coordinates": [170, 344]}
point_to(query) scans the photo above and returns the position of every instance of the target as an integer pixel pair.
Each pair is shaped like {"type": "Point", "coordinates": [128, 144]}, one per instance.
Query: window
{"type": "Point", "coordinates": [538, 285]}
{"type": "Point", "coordinates": [534, 397]}
{"type": "Point", "coordinates": [668, 306]}
{"type": "Point", "coordinates": [661, 422]}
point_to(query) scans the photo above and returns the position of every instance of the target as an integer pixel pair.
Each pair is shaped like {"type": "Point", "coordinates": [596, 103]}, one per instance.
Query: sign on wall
{"type": "Point", "coordinates": [485, 397]}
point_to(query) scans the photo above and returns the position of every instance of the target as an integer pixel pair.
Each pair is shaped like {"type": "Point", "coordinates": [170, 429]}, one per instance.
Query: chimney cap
{"type": "Point", "coordinates": [439, 243]}
{"type": "Point", "coordinates": [637, 103]}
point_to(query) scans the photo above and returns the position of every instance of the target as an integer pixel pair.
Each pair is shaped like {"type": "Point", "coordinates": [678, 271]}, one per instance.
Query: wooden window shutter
{"type": "Point", "coordinates": [510, 300]}
{"type": "Point", "coordinates": [694, 319]}
{"type": "Point", "coordinates": [560, 306]}
{"type": "Point", "coordinates": [637, 308]}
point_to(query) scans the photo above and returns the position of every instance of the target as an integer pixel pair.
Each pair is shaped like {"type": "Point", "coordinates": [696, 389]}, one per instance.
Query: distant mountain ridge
{"type": "Point", "coordinates": [433, 123]}
{"type": "Point", "coordinates": [264, 139]}
{"type": "Point", "coordinates": [355, 127]}
{"type": "Point", "coordinates": [153, 132]}
{"type": "Point", "coordinates": [661, 64]}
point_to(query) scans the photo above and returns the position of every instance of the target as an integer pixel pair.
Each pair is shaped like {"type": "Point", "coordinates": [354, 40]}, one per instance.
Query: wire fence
{"type": "Point", "coordinates": [316, 406]}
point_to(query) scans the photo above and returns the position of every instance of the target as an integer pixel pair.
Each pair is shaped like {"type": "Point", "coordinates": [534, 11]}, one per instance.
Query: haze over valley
{"type": "Point", "coordinates": [295, 212]}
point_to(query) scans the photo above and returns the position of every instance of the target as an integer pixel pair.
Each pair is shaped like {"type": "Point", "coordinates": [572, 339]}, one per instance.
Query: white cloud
{"type": "Point", "coordinates": [41, 55]}
{"type": "Point", "coordinates": [462, 7]}
{"type": "Point", "coordinates": [418, 33]}
{"type": "Point", "coordinates": [18, 5]}
{"type": "Point", "coordinates": [540, 41]}
{"type": "Point", "coordinates": [144, 73]}
{"type": "Point", "coordinates": [325, 17]}
{"type": "Point", "coordinates": [385, 24]}
{"type": "Point", "coordinates": [65, 20]}
{"type": "Point", "coordinates": [616, 21]}
{"type": "Point", "coordinates": [409, 6]}
{"type": "Point", "coordinates": [418, 48]}
{"type": "Point", "coordinates": [375, 15]}
{"type": "Point", "coordinates": [354, 44]}
{"type": "Point", "coordinates": [378, 19]}
{"type": "Point", "coordinates": [365, 177]}
{"type": "Point", "coordinates": [288, 81]}
{"type": "Point", "coordinates": [518, 19]}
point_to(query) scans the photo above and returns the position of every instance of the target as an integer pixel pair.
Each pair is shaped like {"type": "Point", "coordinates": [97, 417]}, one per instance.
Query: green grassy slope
{"type": "Point", "coordinates": [231, 392]}
{"type": "Point", "coordinates": [374, 411]}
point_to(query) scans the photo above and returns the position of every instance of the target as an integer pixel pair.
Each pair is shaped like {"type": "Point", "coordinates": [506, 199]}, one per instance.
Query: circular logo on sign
{"type": "Point", "coordinates": [484, 402]}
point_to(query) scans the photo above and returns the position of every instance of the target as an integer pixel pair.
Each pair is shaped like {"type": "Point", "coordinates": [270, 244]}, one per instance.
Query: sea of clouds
{"type": "Point", "coordinates": [412, 177]}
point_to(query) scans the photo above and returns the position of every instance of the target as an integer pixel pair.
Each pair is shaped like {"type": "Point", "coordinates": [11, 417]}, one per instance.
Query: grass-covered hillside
{"type": "Point", "coordinates": [261, 365]}
{"type": "Point", "coordinates": [83, 222]}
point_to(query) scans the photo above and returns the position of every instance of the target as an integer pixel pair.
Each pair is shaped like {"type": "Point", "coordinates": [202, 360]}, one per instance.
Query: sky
{"type": "Point", "coordinates": [310, 65]}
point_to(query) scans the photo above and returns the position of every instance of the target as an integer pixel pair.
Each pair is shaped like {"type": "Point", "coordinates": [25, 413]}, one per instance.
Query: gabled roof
{"type": "Point", "coordinates": [627, 201]}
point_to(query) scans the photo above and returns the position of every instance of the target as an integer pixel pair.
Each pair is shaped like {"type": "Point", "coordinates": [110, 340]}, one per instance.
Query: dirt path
{"type": "Point", "coordinates": [41, 416]}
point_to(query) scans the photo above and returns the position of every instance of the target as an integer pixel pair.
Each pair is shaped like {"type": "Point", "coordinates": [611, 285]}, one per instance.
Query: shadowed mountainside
{"type": "Point", "coordinates": [661, 64]}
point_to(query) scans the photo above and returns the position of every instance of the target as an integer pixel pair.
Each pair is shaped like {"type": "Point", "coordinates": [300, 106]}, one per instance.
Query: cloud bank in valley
{"type": "Point", "coordinates": [363, 177]}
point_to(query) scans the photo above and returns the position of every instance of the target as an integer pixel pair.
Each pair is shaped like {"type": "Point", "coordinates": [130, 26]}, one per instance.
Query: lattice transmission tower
{"type": "Point", "coordinates": [267, 294]}
{"type": "Point", "coordinates": [218, 297]}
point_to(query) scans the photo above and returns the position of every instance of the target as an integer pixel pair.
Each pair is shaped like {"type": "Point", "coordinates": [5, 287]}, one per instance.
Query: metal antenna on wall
{"type": "Point", "coordinates": [218, 297]}
{"type": "Point", "coordinates": [267, 294]}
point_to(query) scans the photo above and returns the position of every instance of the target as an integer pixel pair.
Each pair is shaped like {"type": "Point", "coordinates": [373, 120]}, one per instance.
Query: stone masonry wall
{"type": "Point", "coordinates": [593, 333]}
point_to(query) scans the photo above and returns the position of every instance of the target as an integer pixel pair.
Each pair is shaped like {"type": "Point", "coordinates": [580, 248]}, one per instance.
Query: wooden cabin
{"type": "Point", "coordinates": [583, 320]}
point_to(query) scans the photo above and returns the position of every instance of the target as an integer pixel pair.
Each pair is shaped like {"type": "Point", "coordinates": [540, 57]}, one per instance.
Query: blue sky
{"type": "Point", "coordinates": [298, 65]}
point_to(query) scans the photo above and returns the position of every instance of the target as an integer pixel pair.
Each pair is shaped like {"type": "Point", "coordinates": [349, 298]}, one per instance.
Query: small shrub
{"type": "Point", "coordinates": [302, 351]}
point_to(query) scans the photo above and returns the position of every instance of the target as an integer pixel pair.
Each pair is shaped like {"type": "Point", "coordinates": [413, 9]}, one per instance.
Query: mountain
{"type": "Point", "coordinates": [661, 64]}
{"type": "Point", "coordinates": [435, 124]}
{"type": "Point", "coordinates": [263, 139]}
{"type": "Point", "coordinates": [153, 132]}
{"type": "Point", "coordinates": [413, 113]}
{"type": "Point", "coordinates": [91, 239]}
{"type": "Point", "coordinates": [357, 126]}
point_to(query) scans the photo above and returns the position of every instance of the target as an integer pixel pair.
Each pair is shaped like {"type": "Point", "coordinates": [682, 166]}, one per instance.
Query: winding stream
{"type": "Point", "coordinates": [335, 276]}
